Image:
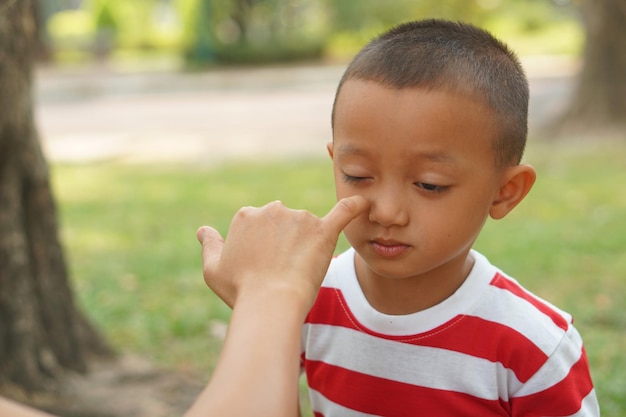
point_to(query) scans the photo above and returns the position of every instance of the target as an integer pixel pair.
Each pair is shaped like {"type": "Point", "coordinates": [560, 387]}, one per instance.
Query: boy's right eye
{"type": "Point", "coordinates": [352, 179]}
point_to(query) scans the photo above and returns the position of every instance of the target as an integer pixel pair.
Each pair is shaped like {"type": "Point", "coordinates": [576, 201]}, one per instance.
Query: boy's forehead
{"type": "Point", "coordinates": [355, 94]}
{"type": "Point", "coordinates": [365, 87]}
{"type": "Point", "coordinates": [438, 155]}
{"type": "Point", "coordinates": [434, 123]}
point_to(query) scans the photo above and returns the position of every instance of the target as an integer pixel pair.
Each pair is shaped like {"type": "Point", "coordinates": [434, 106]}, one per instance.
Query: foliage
{"type": "Point", "coordinates": [129, 232]}
{"type": "Point", "coordinates": [106, 26]}
{"type": "Point", "coordinates": [354, 23]}
{"type": "Point", "coordinates": [69, 29]}
{"type": "Point", "coordinates": [256, 31]}
{"type": "Point", "coordinates": [536, 27]}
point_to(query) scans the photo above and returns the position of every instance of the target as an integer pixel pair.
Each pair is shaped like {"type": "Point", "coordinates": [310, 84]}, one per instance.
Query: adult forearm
{"type": "Point", "coordinates": [259, 366]}
{"type": "Point", "coordinates": [13, 409]}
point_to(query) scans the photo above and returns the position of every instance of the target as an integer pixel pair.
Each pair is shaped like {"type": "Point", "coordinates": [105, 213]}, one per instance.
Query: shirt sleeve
{"type": "Point", "coordinates": [562, 386]}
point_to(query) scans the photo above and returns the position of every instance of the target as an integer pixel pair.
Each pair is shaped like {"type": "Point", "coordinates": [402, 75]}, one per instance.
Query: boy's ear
{"type": "Point", "coordinates": [329, 148]}
{"type": "Point", "coordinates": [516, 183]}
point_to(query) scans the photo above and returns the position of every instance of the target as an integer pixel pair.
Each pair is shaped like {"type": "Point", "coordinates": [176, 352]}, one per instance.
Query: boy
{"type": "Point", "coordinates": [429, 125]}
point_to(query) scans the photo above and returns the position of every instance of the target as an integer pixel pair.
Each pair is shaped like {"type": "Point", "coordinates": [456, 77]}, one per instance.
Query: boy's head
{"type": "Point", "coordinates": [429, 125]}
{"type": "Point", "coordinates": [456, 58]}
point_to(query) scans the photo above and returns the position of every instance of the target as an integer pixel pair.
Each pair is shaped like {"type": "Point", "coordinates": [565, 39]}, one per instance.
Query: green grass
{"type": "Point", "coordinates": [129, 232]}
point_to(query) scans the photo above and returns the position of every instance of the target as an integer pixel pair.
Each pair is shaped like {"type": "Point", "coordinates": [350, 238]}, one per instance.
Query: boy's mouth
{"type": "Point", "coordinates": [388, 248]}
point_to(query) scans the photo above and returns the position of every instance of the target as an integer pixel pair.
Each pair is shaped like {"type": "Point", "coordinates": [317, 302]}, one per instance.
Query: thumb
{"type": "Point", "coordinates": [212, 244]}
{"type": "Point", "coordinates": [346, 210]}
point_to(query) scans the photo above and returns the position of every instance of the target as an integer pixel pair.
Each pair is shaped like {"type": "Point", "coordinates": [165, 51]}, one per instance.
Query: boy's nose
{"type": "Point", "coordinates": [388, 209]}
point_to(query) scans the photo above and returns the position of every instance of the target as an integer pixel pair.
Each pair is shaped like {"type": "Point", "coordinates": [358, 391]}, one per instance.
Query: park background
{"type": "Point", "coordinates": [158, 116]}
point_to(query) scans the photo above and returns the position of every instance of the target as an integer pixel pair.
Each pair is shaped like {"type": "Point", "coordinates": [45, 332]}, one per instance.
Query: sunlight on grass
{"type": "Point", "coordinates": [129, 232]}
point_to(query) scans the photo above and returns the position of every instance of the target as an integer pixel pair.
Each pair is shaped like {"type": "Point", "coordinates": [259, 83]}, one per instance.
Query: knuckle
{"type": "Point", "coordinates": [304, 216]}
{"type": "Point", "coordinates": [244, 211]}
{"type": "Point", "coordinates": [275, 204]}
{"type": "Point", "coordinates": [273, 207]}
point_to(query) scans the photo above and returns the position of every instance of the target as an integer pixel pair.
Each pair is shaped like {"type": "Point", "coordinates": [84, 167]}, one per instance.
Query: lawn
{"type": "Point", "coordinates": [129, 234]}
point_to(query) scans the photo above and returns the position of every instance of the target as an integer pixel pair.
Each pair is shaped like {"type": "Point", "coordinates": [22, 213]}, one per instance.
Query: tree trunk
{"type": "Point", "coordinates": [42, 334]}
{"type": "Point", "coordinates": [42, 46]}
{"type": "Point", "coordinates": [599, 103]}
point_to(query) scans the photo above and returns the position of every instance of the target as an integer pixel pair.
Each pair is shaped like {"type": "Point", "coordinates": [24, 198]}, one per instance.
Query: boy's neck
{"type": "Point", "coordinates": [402, 296]}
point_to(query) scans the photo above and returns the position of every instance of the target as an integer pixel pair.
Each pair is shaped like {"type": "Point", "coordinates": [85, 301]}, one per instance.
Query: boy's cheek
{"type": "Point", "coordinates": [356, 226]}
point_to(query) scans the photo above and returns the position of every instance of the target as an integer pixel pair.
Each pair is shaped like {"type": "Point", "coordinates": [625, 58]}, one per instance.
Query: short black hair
{"type": "Point", "coordinates": [452, 56]}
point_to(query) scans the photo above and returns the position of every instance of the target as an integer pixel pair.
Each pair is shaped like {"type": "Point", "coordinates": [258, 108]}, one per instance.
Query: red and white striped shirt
{"type": "Point", "coordinates": [490, 349]}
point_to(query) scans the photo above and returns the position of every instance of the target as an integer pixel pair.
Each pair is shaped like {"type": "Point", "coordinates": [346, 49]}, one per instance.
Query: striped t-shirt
{"type": "Point", "coordinates": [490, 349]}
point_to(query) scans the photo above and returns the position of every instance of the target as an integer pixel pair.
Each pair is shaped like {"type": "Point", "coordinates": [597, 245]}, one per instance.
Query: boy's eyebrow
{"type": "Point", "coordinates": [441, 157]}
{"type": "Point", "coordinates": [349, 149]}
{"type": "Point", "coordinates": [434, 156]}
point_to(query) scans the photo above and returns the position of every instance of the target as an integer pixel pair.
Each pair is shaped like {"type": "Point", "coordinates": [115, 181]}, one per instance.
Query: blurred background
{"type": "Point", "coordinates": [184, 78]}
{"type": "Point", "coordinates": [193, 33]}
{"type": "Point", "coordinates": [128, 124]}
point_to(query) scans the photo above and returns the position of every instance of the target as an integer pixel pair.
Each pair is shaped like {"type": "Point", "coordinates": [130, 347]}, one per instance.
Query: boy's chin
{"type": "Point", "coordinates": [381, 267]}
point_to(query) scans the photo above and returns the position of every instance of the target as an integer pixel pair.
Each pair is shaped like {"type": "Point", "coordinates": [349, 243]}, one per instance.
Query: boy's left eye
{"type": "Point", "coordinates": [430, 187]}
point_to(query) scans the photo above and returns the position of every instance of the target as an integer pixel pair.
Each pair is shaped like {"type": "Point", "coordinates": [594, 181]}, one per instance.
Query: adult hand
{"type": "Point", "coordinates": [274, 248]}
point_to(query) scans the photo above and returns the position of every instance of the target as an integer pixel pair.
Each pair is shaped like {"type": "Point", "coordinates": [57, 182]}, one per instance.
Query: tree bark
{"type": "Point", "coordinates": [42, 334]}
{"type": "Point", "coordinates": [41, 46]}
{"type": "Point", "coordinates": [599, 102]}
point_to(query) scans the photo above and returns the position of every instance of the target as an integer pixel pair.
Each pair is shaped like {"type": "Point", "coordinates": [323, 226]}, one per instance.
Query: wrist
{"type": "Point", "coordinates": [280, 296]}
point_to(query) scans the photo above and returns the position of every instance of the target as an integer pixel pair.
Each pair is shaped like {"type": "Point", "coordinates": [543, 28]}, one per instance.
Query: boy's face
{"type": "Point", "coordinates": [425, 161]}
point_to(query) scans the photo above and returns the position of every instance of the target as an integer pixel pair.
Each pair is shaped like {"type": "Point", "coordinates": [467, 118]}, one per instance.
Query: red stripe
{"type": "Point", "coordinates": [502, 282]}
{"type": "Point", "coordinates": [562, 399]}
{"type": "Point", "coordinates": [379, 396]}
{"type": "Point", "coordinates": [331, 308]}
{"type": "Point", "coordinates": [471, 335]}
{"type": "Point", "coordinates": [493, 342]}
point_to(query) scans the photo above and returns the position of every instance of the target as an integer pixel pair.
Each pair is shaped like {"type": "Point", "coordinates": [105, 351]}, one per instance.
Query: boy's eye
{"type": "Point", "coordinates": [352, 178]}
{"type": "Point", "coordinates": [431, 187]}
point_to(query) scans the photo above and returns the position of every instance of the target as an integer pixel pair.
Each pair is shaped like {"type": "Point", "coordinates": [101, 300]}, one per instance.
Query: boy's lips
{"type": "Point", "coordinates": [388, 248]}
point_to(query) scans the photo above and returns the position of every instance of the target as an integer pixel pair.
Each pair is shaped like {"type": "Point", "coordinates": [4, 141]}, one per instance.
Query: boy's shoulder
{"type": "Point", "coordinates": [508, 295]}
{"type": "Point", "coordinates": [509, 304]}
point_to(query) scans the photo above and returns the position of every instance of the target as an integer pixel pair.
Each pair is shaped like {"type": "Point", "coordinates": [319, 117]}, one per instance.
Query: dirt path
{"type": "Point", "coordinates": [99, 115]}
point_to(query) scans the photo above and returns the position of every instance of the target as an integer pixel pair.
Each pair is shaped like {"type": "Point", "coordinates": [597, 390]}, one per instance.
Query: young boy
{"type": "Point", "coordinates": [429, 125]}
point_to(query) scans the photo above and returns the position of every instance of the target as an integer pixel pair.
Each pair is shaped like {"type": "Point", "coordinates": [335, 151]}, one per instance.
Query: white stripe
{"type": "Point", "coordinates": [416, 365]}
{"type": "Point", "coordinates": [503, 307]}
{"type": "Point", "coordinates": [325, 406]}
{"type": "Point", "coordinates": [557, 367]}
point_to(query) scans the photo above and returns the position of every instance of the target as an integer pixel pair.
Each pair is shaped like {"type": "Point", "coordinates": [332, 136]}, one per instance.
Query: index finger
{"type": "Point", "coordinates": [346, 210]}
